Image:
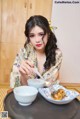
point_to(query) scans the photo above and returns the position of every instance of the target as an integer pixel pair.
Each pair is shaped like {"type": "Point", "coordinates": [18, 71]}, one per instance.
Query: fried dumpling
{"type": "Point", "coordinates": [58, 95]}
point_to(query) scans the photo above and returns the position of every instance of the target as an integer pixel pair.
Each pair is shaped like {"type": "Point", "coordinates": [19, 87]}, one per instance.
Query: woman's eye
{"type": "Point", "coordinates": [41, 34]}
{"type": "Point", "coordinates": [31, 36]}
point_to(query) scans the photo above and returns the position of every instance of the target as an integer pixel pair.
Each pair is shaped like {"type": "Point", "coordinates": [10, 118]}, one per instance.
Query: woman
{"type": "Point", "coordinates": [40, 51]}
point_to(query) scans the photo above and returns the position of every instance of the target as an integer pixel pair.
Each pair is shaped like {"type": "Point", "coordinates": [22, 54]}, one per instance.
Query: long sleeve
{"type": "Point", "coordinates": [15, 75]}
{"type": "Point", "coordinates": [25, 53]}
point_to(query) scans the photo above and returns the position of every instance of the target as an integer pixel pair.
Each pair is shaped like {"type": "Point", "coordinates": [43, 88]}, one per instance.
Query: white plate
{"type": "Point", "coordinates": [70, 95]}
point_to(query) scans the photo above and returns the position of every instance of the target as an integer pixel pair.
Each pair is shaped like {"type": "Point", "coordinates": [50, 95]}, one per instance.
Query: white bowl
{"type": "Point", "coordinates": [25, 95]}
{"type": "Point", "coordinates": [37, 83]}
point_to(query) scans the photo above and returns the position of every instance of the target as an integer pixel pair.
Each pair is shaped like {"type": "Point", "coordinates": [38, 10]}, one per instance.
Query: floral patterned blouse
{"type": "Point", "coordinates": [29, 53]}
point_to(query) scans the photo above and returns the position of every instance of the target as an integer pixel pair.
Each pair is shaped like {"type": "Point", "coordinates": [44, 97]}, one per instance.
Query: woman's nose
{"type": "Point", "coordinates": [38, 39]}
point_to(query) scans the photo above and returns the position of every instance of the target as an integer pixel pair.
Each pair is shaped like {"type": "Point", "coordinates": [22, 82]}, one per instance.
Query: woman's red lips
{"type": "Point", "coordinates": [38, 45]}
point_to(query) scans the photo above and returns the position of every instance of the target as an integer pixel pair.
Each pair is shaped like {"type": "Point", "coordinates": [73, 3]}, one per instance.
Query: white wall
{"type": "Point", "coordinates": [66, 16]}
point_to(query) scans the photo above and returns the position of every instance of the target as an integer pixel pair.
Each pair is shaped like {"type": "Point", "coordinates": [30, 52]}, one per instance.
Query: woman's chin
{"type": "Point", "coordinates": [40, 49]}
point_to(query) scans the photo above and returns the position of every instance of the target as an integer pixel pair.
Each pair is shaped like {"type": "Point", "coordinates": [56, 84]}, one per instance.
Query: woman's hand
{"type": "Point", "coordinates": [25, 70]}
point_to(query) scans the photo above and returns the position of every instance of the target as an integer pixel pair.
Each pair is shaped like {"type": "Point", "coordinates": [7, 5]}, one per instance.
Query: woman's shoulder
{"type": "Point", "coordinates": [58, 52]}
{"type": "Point", "coordinates": [26, 49]}
{"type": "Point", "coordinates": [59, 55]}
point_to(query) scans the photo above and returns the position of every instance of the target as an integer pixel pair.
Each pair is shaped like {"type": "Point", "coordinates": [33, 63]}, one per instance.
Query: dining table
{"type": "Point", "coordinates": [39, 109]}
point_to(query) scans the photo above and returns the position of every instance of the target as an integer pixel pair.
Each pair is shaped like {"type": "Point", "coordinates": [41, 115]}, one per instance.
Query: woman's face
{"type": "Point", "coordinates": [38, 39]}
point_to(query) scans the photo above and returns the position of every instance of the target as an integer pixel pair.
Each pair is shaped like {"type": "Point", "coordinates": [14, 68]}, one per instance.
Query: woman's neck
{"type": "Point", "coordinates": [41, 53]}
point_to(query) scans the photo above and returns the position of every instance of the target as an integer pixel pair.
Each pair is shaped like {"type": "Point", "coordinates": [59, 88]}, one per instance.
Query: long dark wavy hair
{"type": "Point", "coordinates": [51, 46]}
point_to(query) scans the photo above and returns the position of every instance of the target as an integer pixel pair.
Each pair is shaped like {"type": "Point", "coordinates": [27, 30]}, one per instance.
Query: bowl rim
{"type": "Point", "coordinates": [41, 81]}
{"type": "Point", "coordinates": [14, 91]}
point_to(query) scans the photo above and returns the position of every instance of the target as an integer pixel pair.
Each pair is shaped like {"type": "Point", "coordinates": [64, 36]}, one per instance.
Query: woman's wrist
{"type": "Point", "coordinates": [23, 80]}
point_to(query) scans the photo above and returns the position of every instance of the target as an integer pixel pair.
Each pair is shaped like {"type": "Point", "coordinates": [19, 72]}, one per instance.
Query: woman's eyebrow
{"type": "Point", "coordinates": [41, 32]}
{"type": "Point", "coordinates": [31, 34]}
{"type": "Point", "coordinates": [38, 33]}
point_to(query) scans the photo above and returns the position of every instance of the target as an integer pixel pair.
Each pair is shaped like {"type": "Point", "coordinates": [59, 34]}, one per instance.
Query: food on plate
{"type": "Point", "coordinates": [58, 95]}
